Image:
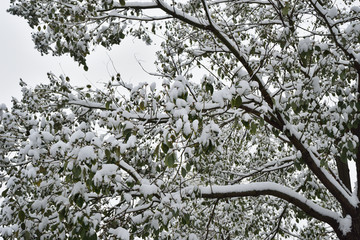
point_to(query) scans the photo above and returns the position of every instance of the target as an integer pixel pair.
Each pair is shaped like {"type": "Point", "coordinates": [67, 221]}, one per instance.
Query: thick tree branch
{"type": "Point", "coordinates": [182, 16]}
{"type": "Point", "coordinates": [276, 190]}
{"type": "Point", "coordinates": [314, 164]}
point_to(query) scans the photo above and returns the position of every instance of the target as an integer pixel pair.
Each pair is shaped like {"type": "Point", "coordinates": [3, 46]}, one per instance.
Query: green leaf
{"type": "Point", "coordinates": [170, 160]}
{"type": "Point", "coordinates": [350, 146]}
{"type": "Point", "coordinates": [295, 107]}
{"type": "Point", "coordinates": [246, 124]}
{"type": "Point", "coordinates": [117, 151]}
{"type": "Point", "coordinates": [253, 127]}
{"type": "Point", "coordinates": [107, 104]}
{"type": "Point", "coordinates": [27, 235]}
{"type": "Point", "coordinates": [54, 227]}
{"type": "Point", "coordinates": [142, 105]}
{"type": "Point", "coordinates": [209, 148]}
{"type": "Point", "coordinates": [42, 170]}
{"type": "Point", "coordinates": [283, 43]}
{"type": "Point", "coordinates": [127, 133]}
{"type": "Point", "coordinates": [252, 51]}
{"type": "Point", "coordinates": [4, 192]}
{"type": "Point", "coordinates": [62, 214]}
{"type": "Point", "coordinates": [186, 219]}
{"type": "Point", "coordinates": [262, 122]}
{"type": "Point", "coordinates": [303, 58]}
{"type": "Point", "coordinates": [183, 172]}
{"type": "Point", "coordinates": [188, 167]}
{"type": "Point", "coordinates": [79, 201]}
{"type": "Point", "coordinates": [219, 71]}
{"type": "Point", "coordinates": [156, 151]}
{"type": "Point", "coordinates": [236, 102]}
{"type": "Point", "coordinates": [164, 147]}
{"type": "Point", "coordinates": [343, 75]}
{"type": "Point", "coordinates": [286, 8]}
{"type": "Point", "coordinates": [76, 171]}
{"type": "Point", "coordinates": [209, 88]}
{"type": "Point", "coordinates": [343, 155]}
{"type": "Point", "coordinates": [21, 215]}
{"type": "Point", "coordinates": [107, 154]}
{"type": "Point", "coordinates": [275, 132]}
{"type": "Point", "coordinates": [92, 237]}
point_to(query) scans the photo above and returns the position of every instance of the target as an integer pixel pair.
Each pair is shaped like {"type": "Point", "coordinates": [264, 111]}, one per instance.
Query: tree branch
{"type": "Point", "coordinates": [314, 164]}
{"type": "Point", "coordinates": [276, 190]}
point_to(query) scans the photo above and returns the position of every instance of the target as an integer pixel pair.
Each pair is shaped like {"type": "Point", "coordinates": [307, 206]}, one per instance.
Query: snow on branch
{"type": "Point", "coordinates": [273, 189]}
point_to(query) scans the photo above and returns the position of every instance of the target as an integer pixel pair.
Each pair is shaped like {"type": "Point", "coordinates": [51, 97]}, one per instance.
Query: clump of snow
{"type": "Point", "coordinates": [345, 224]}
{"type": "Point", "coordinates": [137, 219]}
{"type": "Point", "coordinates": [34, 137]}
{"type": "Point", "coordinates": [187, 128]}
{"type": "Point", "coordinates": [48, 137]}
{"type": "Point", "coordinates": [243, 87]}
{"type": "Point", "coordinates": [180, 103]}
{"type": "Point", "coordinates": [128, 125]}
{"type": "Point", "coordinates": [6, 231]}
{"type": "Point", "coordinates": [34, 153]}
{"type": "Point", "coordinates": [106, 170]}
{"type": "Point", "coordinates": [155, 224]}
{"type": "Point", "coordinates": [192, 236]}
{"type": "Point", "coordinates": [120, 233]}
{"type": "Point", "coordinates": [333, 12]}
{"type": "Point", "coordinates": [355, 9]}
{"type": "Point", "coordinates": [220, 96]}
{"type": "Point", "coordinates": [169, 106]}
{"type": "Point", "coordinates": [127, 197]}
{"type": "Point", "coordinates": [153, 86]}
{"type": "Point", "coordinates": [96, 141]}
{"type": "Point", "coordinates": [44, 222]}
{"type": "Point", "coordinates": [76, 136]}
{"type": "Point", "coordinates": [39, 204]}
{"type": "Point", "coordinates": [131, 142]}
{"type": "Point", "coordinates": [316, 84]}
{"type": "Point", "coordinates": [305, 45]}
{"type": "Point", "coordinates": [241, 72]}
{"type": "Point", "coordinates": [30, 171]}
{"type": "Point", "coordinates": [2, 108]}
{"type": "Point", "coordinates": [147, 188]}
{"type": "Point", "coordinates": [178, 124]}
{"type": "Point", "coordinates": [62, 200]}
{"type": "Point", "coordinates": [58, 147]}
{"type": "Point", "coordinates": [195, 125]}
{"type": "Point", "coordinates": [214, 127]}
{"type": "Point", "coordinates": [86, 152]}
{"type": "Point", "coordinates": [89, 136]}
{"type": "Point", "coordinates": [78, 188]}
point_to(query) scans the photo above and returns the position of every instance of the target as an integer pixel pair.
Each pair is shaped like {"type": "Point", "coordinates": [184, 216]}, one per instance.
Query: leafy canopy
{"type": "Point", "coordinates": [258, 148]}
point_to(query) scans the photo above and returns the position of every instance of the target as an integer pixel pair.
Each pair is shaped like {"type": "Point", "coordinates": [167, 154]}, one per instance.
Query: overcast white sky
{"type": "Point", "coordinates": [19, 59]}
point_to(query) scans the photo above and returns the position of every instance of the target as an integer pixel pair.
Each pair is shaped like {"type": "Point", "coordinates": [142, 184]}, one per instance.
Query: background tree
{"type": "Point", "coordinates": [259, 149]}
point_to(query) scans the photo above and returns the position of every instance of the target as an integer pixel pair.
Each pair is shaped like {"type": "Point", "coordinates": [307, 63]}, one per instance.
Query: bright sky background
{"type": "Point", "coordinates": [19, 59]}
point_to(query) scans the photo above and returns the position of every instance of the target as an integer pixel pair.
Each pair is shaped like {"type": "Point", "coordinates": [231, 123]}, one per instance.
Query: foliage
{"type": "Point", "coordinates": [259, 148]}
